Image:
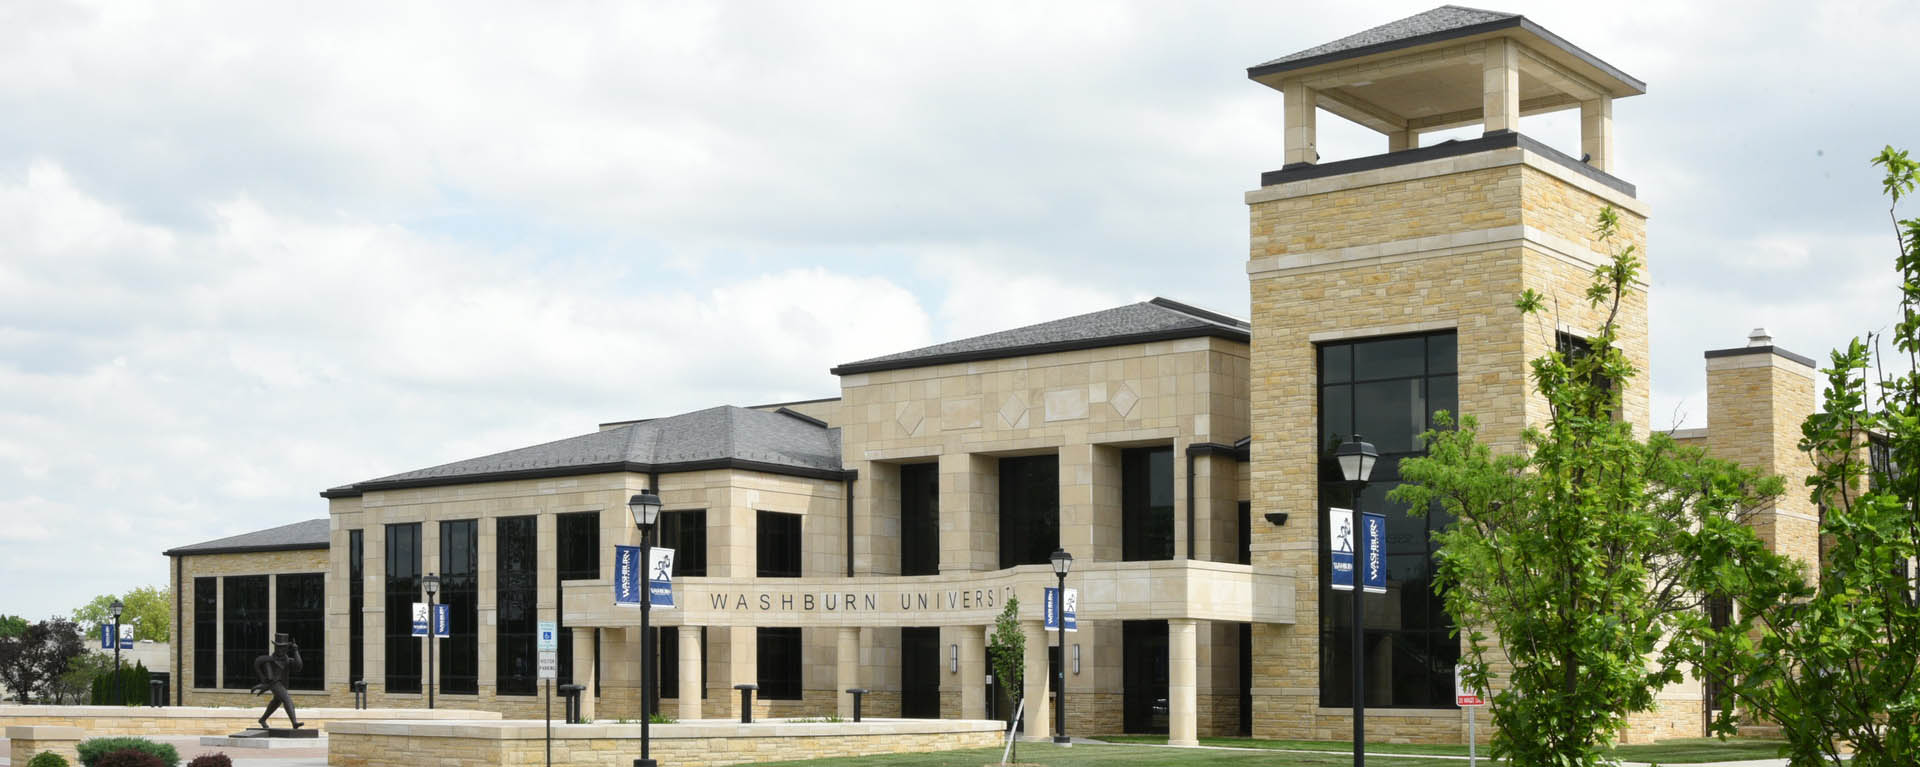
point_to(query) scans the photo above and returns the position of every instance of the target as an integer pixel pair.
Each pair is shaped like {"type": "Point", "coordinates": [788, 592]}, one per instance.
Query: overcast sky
{"type": "Point", "coordinates": [249, 251]}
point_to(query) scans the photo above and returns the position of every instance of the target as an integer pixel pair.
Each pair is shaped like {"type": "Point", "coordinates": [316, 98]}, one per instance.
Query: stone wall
{"type": "Point", "coordinates": [100, 721]}
{"type": "Point", "coordinates": [474, 744]}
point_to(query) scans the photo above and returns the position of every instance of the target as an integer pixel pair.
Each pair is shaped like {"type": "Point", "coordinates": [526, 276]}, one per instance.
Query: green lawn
{"type": "Point", "coordinates": [1101, 756]}
{"type": "Point", "coordinates": [1680, 751]}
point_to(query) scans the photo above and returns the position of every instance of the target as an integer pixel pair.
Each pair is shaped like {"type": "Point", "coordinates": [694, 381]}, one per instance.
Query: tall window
{"type": "Point", "coordinates": [578, 558]}
{"type": "Point", "coordinates": [1029, 509]}
{"type": "Point", "coordinates": [356, 605]}
{"type": "Point", "coordinates": [244, 603]}
{"type": "Point", "coordinates": [1387, 390]}
{"type": "Point", "coordinates": [1146, 503]}
{"type": "Point", "coordinates": [920, 519]}
{"type": "Point", "coordinates": [300, 612]}
{"type": "Point", "coordinates": [460, 590]}
{"type": "Point", "coordinates": [686, 533]}
{"type": "Point", "coordinates": [669, 675]}
{"type": "Point", "coordinates": [779, 545]}
{"type": "Point", "coordinates": [516, 570]}
{"type": "Point", "coordinates": [206, 632]}
{"type": "Point", "coordinates": [779, 662]}
{"type": "Point", "coordinates": [403, 589]}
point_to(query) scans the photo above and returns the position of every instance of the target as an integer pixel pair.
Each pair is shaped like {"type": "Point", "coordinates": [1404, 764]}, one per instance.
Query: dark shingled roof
{"type": "Point", "coordinates": [311, 534]}
{"type": "Point", "coordinates": [1156, 320]}
{"type": "Point", "coordinates": [717, 437]}
{"type": "Point", "coordinates": [1441, 19]}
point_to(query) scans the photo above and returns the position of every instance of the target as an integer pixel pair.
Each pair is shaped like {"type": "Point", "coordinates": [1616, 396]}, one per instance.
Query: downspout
{"type": "Point", "coordinates": [1191, 455]}
{"type": "Point", "coordinates": [848, 484]}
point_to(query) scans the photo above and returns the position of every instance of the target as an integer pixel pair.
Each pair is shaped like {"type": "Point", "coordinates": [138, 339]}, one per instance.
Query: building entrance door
{"type": "Point", "coordinates": [920, 673]}
{"type": "Point", "coordinates": [1144, 674]}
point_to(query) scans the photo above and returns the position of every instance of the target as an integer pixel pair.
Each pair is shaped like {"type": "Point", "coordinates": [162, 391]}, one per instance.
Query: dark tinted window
{"type": "Point", "coordinates": [1029, 509]}
{"type": "Point", "coordinates": [403, 589]}
{"type": "Point", "coordinates": [920, 519]}
{"type": "Point", "coordinates": [206, 637]}
{"type": "Point", "coordinates": [517, 575]}
{"type": "Point", "coordinates": [686, 533]}
{"type": "Point", "coordinates": [300, 612]}
{"type": "Point", "coordinates": [356, 605]}
{"type": "Point", "coordinates": [578, 558]}
{"type": "Point", "coordinates": [243, 604]}
{"type": "Point", "coordinates": [779, 663]}
{"type": "Point", "coordinates": [1387, 390]}
{"type": "Point", "coordinates": [779, 545]}
{"type": "Point", "coordinates": [460, 590]}
{"type": "Point", "coordinates": [1146, 503]}
{"type": "Point", "coordinates": [670, 662]}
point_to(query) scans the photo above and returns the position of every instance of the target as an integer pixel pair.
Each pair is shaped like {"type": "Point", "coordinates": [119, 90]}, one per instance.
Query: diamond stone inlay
{"type": "Point", "coordinates": [1123, 399]}
{"type": "Point", "coordinates": [1013, 412]}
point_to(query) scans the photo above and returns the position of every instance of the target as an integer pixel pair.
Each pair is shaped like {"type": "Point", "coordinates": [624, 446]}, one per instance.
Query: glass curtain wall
{"type": "Point", "coordinates": [300, 612]}
{"type": "Point", "coordinates": [517, 577]}
{"type": "Point", "coordinates": [403, 589]}
{"type": "Point", "coordinates": [1387, 389]}
{"type": "Point", "coordinates": [243, 604]}
{"type": "Point", "coordinates": [460, 591]}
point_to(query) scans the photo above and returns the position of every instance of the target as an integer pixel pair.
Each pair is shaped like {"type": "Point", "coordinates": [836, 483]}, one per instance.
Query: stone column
{"type": "Point", "coordinates": [583, 669]}
{"type": "Point", "coordinates": [1596, 132]}
{"type": "Point", "coordinates": [973, 672]}
{"type": "Point", "coordinates": [847, 668]}
{"type": "Point", "coordinates": [1301, 135]}
{"type": "Point", "coordinates": [1402, 140]}
{"type": "Point", "coordinates": [969, 512]}
{"type": "Point", "coordinates": [1183, 681]}
{"type": "Point", "coordinates": [743, 665]}
{"type": "Point", "coordinates": [1039, 715]}
{"type": "Point", "coordinates": [691, 666]}
{"type": "Point", "coordinates": [1500, 99]}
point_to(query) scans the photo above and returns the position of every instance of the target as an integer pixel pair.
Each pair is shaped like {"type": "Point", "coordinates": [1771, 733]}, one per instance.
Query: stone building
{"type": "Point", "coordinates": [869, 540]}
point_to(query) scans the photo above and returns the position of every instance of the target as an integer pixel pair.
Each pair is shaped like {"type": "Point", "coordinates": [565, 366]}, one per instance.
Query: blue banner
{"type": "Point", "coordinates": [1340, 540]}
{"type": "Point", "coordinates": [1373, 576]}
{"type": "Point", "coordinates": [660, 577]}
{"type": "Point", "coordinates": [106, 636]}
{"type": "Point", "coordinates": [443, 620]}
{"type": "Point", "coordinates": [626, 576]}
{"type": "Point", "coordinates": [1051, 609]}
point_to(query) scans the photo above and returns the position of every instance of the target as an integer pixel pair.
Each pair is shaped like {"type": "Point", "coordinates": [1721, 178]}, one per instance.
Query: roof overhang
{"type": "Point", "coordinates": [766, 467]}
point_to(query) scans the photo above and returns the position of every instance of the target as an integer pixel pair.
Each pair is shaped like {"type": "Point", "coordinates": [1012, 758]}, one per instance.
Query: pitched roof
{"type": "Point", "coordinates": [311, 534]}
{"type": "Point", "coordinates": [1157, 320]}
{"type": "Point", "coordinates": [717, 437]}
{"type": "Point", "coordinates": [1442, 19]}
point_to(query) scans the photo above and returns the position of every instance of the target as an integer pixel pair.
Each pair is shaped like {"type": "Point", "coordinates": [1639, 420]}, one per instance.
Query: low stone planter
{"type": "Point", "coordinates": [687, 744]}
{"type": "Point", "coordinates": [101, 721]}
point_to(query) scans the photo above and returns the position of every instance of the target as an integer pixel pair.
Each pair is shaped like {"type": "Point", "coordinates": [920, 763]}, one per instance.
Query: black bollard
{"type": "Point", "coordinates": [746, 701]}
{"type": "Point", "coordinates": [572, 693]}
{"type": "Point", "coordinates": [359, 687]}
{"type": "Point", "coordinates": [857, 692]}
{"type": "Point", "coordinates": [156, 693]}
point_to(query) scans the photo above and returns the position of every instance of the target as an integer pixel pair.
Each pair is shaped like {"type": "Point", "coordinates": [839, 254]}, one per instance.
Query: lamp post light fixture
{"type": "Point", "coordinates": [1062, 562]}
{"type": "Point", "coordinates": [1356, 458]}
{"type": "Point", "coordinates": [115, 609]}
{"type": "Point", "coordinates": [645, 507]}
{"type": "Point", "coordinates": [432, 584]}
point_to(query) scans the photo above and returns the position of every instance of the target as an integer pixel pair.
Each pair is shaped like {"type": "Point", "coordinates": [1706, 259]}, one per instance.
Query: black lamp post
{"type": "Point", "coordinates": [115, 610]}
{"type": "Point", "coordinates": [1062, 562]}
{"type": "Point", "coordinates": [645, 507]}
{"type": "Point", "coordinates": [432, 582]}
{"type": "Point", "coordinates": [1356, 459]}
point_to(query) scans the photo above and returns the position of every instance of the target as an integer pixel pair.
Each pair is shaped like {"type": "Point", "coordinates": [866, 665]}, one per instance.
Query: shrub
{"type": "Point", "coordinates": [210, 760]}
{"type": "Point", "coordinates": [94, 751]}
{"type": "Point", "coordinates": [47, 759]}
{"type": "Point", "coordinates": [130, 757]}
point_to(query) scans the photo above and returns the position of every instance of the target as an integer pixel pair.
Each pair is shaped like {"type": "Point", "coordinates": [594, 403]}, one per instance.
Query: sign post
{"type": "Point", "coordinates": [1469, 700]}
{"type": "Point", "coordinates": [548, 643]}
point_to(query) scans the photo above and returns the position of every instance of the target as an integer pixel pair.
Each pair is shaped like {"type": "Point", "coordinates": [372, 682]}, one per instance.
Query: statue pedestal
{"type": "Point", "coordinates": [275, 737]}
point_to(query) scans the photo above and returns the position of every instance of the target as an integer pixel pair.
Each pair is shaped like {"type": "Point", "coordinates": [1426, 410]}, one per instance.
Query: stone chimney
{"type": "Point", "coordinates": [1757, 397]}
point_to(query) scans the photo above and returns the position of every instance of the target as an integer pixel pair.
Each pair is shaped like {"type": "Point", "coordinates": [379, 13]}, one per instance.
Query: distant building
{"type": "Point", "coordinates": [1180, 455]}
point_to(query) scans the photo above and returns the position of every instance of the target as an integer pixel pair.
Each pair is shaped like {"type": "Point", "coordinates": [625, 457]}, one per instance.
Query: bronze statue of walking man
{"type": "Point", "coordinates": [274, 669]}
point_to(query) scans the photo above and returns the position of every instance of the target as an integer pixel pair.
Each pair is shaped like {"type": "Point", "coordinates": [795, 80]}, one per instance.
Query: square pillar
{"type": "Point", "coordinates": [583, 668]}
{"type": "Point", "coordinates": [1302, 134]}
{"type": "Point", "coordinates": [847, 669]}
{"type": "Point", "coordinates": [691, 666]}
{"type": "Point", "coordinates": [743, 665]}
{"type": "Point", "coordinates": [1039, 714]}
{"type": "Point", "coordinates": [1402, 140]}
{"type": "Point", "coordinates": [969, 513]}
{"type": "Point", "coordinates": [973, 672]}
{"type": "Point", "coordinates": [1183, 681]}
{"type": "Point", "coordinates": [1596, 132]}
{"type": "Point", "coordinates": [1500, 79]}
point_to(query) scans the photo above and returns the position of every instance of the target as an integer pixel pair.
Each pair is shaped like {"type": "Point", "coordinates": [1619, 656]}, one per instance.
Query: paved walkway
{"type": "Point", "coordinates": [1372, 755]}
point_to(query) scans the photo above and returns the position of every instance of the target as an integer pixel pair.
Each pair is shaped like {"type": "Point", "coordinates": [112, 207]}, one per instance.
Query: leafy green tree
{"type": "Point", "coordinates": [1582, 552]}
{"type": "Point", "coordinates": [148, 609]}
{"type": "Point", "coordinates": [1836, 662]}
{"type": "Point", "coordinates": [12, 625]}
{"type": "Point", "coordinates": [1007, 647]}
{"type": "Point", "coordinates": [30, 663]}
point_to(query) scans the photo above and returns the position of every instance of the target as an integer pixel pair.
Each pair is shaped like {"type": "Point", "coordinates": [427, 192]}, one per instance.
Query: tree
{"type": "Point", "coordinates": [1837, 661]}
{"type": "Point", "coordinates": [1008, 649]}
{"type": "Point", "coordinates": [148, 609]}
{"type": "Point", "coordinates": [1583, 553]}
{"type": "Point", "coordinates": [12, 625]}
{"type": "Point", "coordinates": [30, 663]}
